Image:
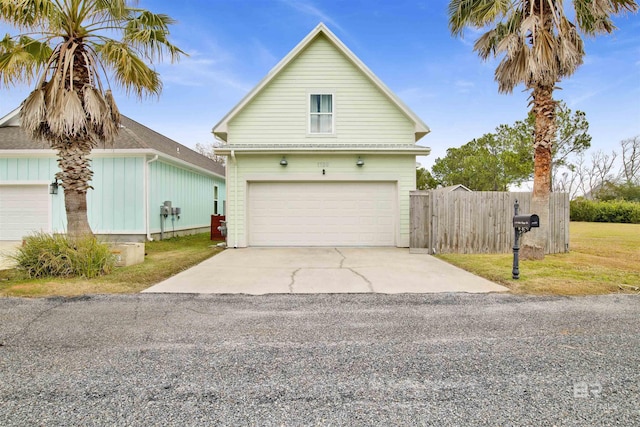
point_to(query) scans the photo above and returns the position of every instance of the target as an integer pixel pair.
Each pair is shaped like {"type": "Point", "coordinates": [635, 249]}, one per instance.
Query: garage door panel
{"type": "Point", "coordinates": [24, 209]}
{"type": "Point", "coordinates": [322, 214]}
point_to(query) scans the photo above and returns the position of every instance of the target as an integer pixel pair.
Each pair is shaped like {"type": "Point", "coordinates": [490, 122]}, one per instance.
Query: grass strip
{"type": "Point", "coordinates": [163, 259]}
{"type": "Point", "coordinates": [604, 258]}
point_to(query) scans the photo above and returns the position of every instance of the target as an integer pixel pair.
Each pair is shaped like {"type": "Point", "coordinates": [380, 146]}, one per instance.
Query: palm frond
{"type": "Point", "coordinates": [34, 113]}
{"type": "Point", "coordinates": [570, 48]}
{"type": "Point", "coordinates": [131, 72]}
{"type": "Point", "coordinates": [27, 13]}
{"type": "Point", "coordinates": [487, 44]}
{"type": "Point", "coordinates": [475, 13]}
{"type": "Point", "coordinates": [68, 117]}
{"type": "Point", "coordinates": [109, 11]}
{"type": "Point", "coordinates": [95, 105]}
{"type": "Point", "coordinates": [594, 16]}
{"type": "Point", "coordinates": [148, 32]}
{"type": "Point", "coordinates": [514, 68]}
{"type": "Point", "coordinates": [22, 59]}
{"type": "Point", "coordinates": [113, 108]}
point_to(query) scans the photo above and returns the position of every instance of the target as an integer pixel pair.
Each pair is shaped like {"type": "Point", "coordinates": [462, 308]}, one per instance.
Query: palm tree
{"type": "Point", "coordinates": [538, 46]}
{"type": "Point", "coordinates": [69, 48]}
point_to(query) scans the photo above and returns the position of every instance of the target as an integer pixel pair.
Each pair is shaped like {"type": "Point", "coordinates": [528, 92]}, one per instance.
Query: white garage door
{"type": "Point", "coordinates": [322, 213]}
{"type": "Point", "coordinates": [23, 210]}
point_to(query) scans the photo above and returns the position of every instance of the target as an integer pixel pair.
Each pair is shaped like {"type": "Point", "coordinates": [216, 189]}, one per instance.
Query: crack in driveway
{"type": "Point", "coordinates": [293, 279]}
{"type": "Point", "coordinates": [342, 255]}
{"type": "Point", "coordinates": [344, 258]}
{"type": "Point", "coordinates": [369, 284]}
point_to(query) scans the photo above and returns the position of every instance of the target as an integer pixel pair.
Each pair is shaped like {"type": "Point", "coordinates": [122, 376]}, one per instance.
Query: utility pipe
{"type": "Point", "coordinates": [146, 197]}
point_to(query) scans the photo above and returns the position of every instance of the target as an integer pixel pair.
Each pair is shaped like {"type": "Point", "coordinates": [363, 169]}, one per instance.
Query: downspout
{"type": "Point", "coordinates": [146, 197]}
{"type": "Point", "coordinates": [235, 198]}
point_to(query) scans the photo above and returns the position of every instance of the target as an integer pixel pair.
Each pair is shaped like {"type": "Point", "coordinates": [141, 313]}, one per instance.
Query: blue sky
{"type": "Point", "coordinates": [234, 43]}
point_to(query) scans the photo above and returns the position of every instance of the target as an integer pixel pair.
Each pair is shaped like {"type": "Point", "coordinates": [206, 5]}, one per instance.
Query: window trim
{"type": "Point", "coordinates": [310, 114]}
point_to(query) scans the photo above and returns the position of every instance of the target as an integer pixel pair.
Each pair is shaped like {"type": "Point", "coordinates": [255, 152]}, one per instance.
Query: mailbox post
{"type": "Point", "coordinates": [521, 225]}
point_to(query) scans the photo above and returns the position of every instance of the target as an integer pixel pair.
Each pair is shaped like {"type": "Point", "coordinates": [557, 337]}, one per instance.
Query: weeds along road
{"type": "Point", "coordinates": [444, 359]}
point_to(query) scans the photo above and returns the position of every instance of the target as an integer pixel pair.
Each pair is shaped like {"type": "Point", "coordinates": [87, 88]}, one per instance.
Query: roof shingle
{"type": "Point", "coordinates": [132, 135]}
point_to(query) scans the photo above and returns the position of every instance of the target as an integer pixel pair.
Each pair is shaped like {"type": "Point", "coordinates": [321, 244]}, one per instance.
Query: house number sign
{"type": "Point", "coordinates": [323, 164]}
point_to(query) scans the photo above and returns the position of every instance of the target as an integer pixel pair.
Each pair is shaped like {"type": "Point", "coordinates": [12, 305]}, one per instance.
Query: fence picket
{"type": "Point", "coordinates": [478, 222]}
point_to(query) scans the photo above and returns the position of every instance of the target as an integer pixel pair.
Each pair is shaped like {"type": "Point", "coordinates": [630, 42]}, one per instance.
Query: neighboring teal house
{"type": "Point", "coordinates": [132, 180]}
{"type": "Point", "coordinates": [320, 153]}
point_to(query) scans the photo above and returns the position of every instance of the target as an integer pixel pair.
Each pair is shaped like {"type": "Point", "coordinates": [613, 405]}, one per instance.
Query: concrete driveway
{"type": "Point", "coordinates": [7, 248]}
{"type": "Point", "coordinates": [323, 270]}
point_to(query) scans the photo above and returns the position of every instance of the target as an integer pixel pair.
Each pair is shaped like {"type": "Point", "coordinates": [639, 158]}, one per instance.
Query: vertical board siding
{"type": "Point", "coordinates": [188, 190]}
{"type": "Point", "coordinates": [479, 222]}
{"type": "Point", "coordinates": [116, 203]}
{"type": "Point", "coordinates": [279, 113]}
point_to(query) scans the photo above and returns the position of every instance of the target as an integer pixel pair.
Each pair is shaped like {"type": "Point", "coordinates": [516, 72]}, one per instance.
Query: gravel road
{"type": "Point", "coordinates": [443, 359]}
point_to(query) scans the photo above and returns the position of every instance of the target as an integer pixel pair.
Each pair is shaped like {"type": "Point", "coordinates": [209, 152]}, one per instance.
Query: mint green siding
{"type": "Point", "coordinates": [116, 205]}
{"type": "Point", "coordinates": [190, 191]}
{"type": "Point", "coordinates": [27, 169]}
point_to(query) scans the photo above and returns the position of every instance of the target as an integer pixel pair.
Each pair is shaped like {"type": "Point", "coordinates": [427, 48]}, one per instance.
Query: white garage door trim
{"type": "Point", "coordinates": [24, 209]}
{"type": "Point", "coordinates": [322, 213]}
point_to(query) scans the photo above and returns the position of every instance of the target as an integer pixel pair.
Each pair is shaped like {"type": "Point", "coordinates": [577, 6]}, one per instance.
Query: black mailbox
{"type": "Point", "coordinates": [526, 221]}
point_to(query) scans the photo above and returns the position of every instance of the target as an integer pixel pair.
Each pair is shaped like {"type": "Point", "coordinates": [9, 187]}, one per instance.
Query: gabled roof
{"type": "Point", "coordinates": [420, 128]}
{"type": "Point", "coordinates": [132, 136]}
{"type": "Point", "coordinates": [457, 187]}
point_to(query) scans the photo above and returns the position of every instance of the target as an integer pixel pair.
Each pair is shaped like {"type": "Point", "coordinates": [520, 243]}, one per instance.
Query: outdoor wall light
{"type": "Point", "coordinates": [360, 162]}
{"type": "Point", "coordinates": [283, 162]}
{"type": "Point", "coordinates": [53, 187]}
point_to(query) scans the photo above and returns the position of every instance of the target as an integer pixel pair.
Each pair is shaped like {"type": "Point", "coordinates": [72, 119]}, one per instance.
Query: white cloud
{"type": "Point", "coordinates": [309, 9]}
{"type": "Point", "coordinates": [263, 54]}
{"type": "Point", "coordinates": [464, 86]}
{"type": "Point", "coordinates": [200, 70]}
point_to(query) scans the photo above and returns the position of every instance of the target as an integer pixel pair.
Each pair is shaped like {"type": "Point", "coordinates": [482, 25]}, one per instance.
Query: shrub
{"type": "Point", "coordinates": [618, 211]}
{"type": "Point", "coordinates": [46, 255]}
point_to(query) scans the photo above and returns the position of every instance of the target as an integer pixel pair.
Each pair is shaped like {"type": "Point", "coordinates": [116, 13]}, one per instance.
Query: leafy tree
{"type": "Point", "coordinates": [504, 158]}
{"type": "Point", "coordinates": [572, 136]}
{"type": "Point", "coordinates": [538, 46]}
{"type": "Point", "coordinates": [617, 191]}
{"type": "Point", "coordinates": [424, 180]}
{"type": "Point", "coordinates": [489, 163]}
{"type": "Point", "coordinates": [67, 48]}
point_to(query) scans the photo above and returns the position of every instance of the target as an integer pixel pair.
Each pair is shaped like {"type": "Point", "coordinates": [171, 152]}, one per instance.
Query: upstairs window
{"type": "Point", "coordinates": [321, 114]}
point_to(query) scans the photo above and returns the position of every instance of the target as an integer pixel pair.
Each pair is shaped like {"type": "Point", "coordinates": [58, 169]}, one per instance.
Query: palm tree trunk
{"type": "Point", "coordinates": [534, 244]}
{"type": "Point", "coordinates": [75, 174]}
{"type": "Point", "coordinates": [75, 203]}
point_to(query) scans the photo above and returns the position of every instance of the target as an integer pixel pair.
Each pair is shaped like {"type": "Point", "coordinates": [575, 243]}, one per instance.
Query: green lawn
{"type": "Point", "coordinates": [603, 258]}
{"type": "Point", "coordinates": [163, 259]}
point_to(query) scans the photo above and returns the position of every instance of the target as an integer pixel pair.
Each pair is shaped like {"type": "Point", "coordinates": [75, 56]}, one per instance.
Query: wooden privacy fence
{"type": "Point", "coordinates": [479, 222]}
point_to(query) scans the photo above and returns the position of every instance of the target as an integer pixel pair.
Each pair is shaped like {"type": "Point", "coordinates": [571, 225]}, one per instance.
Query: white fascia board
{"type": "Point", "coordinates": [39, 153]}
{"type": "Point", "coordinates": [419, 151]}
{"type": "Point", "coordinates": [11, 119]}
